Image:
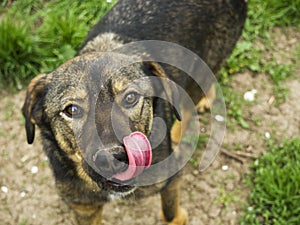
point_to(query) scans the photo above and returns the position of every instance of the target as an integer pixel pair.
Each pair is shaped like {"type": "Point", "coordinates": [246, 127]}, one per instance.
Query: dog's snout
{"type": "Point", "coordinates": [111, 162]}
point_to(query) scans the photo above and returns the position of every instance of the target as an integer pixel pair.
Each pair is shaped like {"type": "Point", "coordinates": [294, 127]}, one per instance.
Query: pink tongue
{"type": "Point", "coordinates": [139, 154]}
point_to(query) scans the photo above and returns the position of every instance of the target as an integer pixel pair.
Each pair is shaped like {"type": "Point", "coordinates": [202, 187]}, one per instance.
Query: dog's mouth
{"type": "Point", "coordinates": [119, 167]}
{"type": "Point", "coordinates": [139, 153]}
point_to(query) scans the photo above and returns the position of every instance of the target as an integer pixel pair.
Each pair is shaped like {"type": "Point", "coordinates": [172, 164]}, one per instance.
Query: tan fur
{"type": "Point", "coordinates": [179, 127]}
{"type": "Point", "coordinates": [88, 214]}
{"type": "Point", "coordinates": [206, 102]}
{"type": "Point", "coordinates": [103, 43]}
{"type": "Point", "coordinates": [181, 218]}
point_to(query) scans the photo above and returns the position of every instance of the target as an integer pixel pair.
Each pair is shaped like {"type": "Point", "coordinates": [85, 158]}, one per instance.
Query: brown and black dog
{"type": "Point", "coordinates": [96, 108]}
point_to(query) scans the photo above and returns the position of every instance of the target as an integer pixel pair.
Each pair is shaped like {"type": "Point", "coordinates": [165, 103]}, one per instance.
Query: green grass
{"type": "Point", "coordinates": [202, 140]}
{"type": "Point", "coordinates": [24, 222]}
{"type": "Point", "coordinates": [234, 105]}
{"type": "Point", "coordinates": [275, 186]}
{"type": "Point", "coordinates": [263, 16]}
{"type": "Point", "coordinates": [19, 55]}
{"type": "Point", "coordinates": [225, 198]}
{"type": "Point", "coordinates": [37, 36]}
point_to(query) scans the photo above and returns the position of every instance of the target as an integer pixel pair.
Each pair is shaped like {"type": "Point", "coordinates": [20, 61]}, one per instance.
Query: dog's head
{"type": "Point", "coordinates": [96, 108]}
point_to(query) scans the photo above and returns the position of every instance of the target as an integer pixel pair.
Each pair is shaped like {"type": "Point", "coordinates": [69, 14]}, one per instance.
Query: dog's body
{"type": "Point", "coordinates": [208, 28]}
{"type": "Point", "coordinates": [76, 105]}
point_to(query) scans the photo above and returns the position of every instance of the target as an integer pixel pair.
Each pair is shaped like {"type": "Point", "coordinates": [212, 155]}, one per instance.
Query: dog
{"type": "Point", "coordinates": [96, 111]}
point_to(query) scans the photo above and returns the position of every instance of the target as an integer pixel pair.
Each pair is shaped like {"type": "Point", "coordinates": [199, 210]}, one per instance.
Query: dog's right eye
{"type": "Point", "coordinates": [130, 100]}
{"type": "Point", "coordinates": [73, 111]}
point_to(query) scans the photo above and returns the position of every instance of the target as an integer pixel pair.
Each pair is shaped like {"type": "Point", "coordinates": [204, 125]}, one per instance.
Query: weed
{"type": "Point", "coordinates": [24, 222]}
{"type": "Point", "coordinates": [275, 179]}
{"type": "Point", "coordinates": [11, 137]}
{"type": "Point", "coordinates": [202, 140]}
{"type": "Point", "coordinates": [61, 32]}
{"type": "Point", "coordinates": [230, 176]}
{"type": "Point", "coordinates": [270, 13]}
{"type": "Point", "coordinates": [4, 152]}
{"type": "Point", "coordinates": [234, 104]}
{"type": "Point", "coordinates": [257, 121]}
{"type": "Point", "coordinates": [4, 3]}
{"type": "Point", "coordinates": [297, 52]}
{"type": "Point", "coordinates": [22, 119]}
{"type": "Point", "coordinates": [251, 51]}
{"type": "Point", "coordinates": [237, 146]}
{"type": "Point", "coordinates": [194, 162]}
{"type": "Point", "coordinates": [37, 36]}
{"type": "Point", "coordinates": [226, 198]}
{"type": "Point", "coordinates": [44, 164]}
{"type": "Point", "coordinates": [244, 57]}
{"type": "Point", "coordinates": [121, 202]}
{"type": "Point", "coordinates": [19, 56]}
{"type": "Point", "coordinates": [42, 180]}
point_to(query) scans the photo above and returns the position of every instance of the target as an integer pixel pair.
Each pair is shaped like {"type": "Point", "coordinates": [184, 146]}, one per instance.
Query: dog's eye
{"type": "Point", "coordinates": [130, 100]}
{"type": "Point", "coordinates": [73, 111]}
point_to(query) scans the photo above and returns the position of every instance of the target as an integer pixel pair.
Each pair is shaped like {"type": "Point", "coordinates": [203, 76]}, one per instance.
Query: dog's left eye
{"type": "Point", "coordinates": [130, 99]}
{"type": "Point", "coordinates": [73, 111]}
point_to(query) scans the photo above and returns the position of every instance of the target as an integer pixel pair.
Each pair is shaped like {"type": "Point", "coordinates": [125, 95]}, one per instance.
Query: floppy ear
{"type": "Point", "coordinates": [34, 90]}
{"type": "Point", "coordinates": [169, 87]}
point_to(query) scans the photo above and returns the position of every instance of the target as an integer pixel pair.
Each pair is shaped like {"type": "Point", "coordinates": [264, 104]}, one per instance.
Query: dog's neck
{"type": "Point", "coordinates": [102, 43]}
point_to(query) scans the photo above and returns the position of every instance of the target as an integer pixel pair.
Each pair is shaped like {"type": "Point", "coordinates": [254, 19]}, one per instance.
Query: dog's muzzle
{"type": "Point", "coordinates": [111, 162]}
{"type": "Point", "coordinates": [125, 163]}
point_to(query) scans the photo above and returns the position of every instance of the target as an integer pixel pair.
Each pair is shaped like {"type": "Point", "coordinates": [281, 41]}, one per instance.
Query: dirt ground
{"type": "Point", "coordinates": [215, 196]}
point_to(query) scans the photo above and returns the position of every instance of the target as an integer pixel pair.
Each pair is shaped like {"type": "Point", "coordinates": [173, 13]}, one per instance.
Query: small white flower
{"type": "Point", "coordinates": [250, 208]}
{"type": "Point", "coordinates": [267, 135]}
{"type": "Point", "coordinates": [4, 189]}
{"type": "Point", "coordinates": [108, 1]}
{"type": "Point", "coordinates": [22, 194]}
{"type": "Point", "coordinates": [219, 118]}
{"type": "Point", "coordinates": [225, 167]}
{"type": "Point", "coordinates": [34, 169]}
{"type": "Point", "coordinates": [202, 129]}
{"type": "Point", "coordinates": [250, 95]}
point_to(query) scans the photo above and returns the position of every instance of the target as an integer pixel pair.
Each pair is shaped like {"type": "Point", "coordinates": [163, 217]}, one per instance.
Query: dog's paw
{"type": "Point", "coordinates": [181, 218]}
{"type": "Point", "coordinates": [206, 102]}
{"type": "Point", "coordinates": [203, 105]}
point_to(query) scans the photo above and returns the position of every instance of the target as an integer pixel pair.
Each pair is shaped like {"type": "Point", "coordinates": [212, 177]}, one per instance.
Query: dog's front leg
{"type": "Point", "coordinates": [172, 213]}
{"type": "Point", "coordinates": [88, 214]}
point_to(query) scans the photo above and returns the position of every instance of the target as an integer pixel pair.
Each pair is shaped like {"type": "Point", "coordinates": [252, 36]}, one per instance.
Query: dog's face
{"type": "Point", "coordinates": [88, 105]}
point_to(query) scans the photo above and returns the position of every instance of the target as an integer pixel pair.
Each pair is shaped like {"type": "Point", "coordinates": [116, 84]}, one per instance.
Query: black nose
{"type": "Point", "coordinates": [110, 162]}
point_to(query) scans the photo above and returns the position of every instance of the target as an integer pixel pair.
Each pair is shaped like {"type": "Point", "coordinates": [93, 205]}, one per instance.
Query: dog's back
{"type": "Point", "coordinates": [210, 28]}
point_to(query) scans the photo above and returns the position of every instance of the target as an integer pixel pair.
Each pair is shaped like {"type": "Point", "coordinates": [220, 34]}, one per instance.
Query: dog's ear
{"type": "Point", "coordinates": [34, 90]}
{"type": "Point", "coordinates": [169, 87]}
